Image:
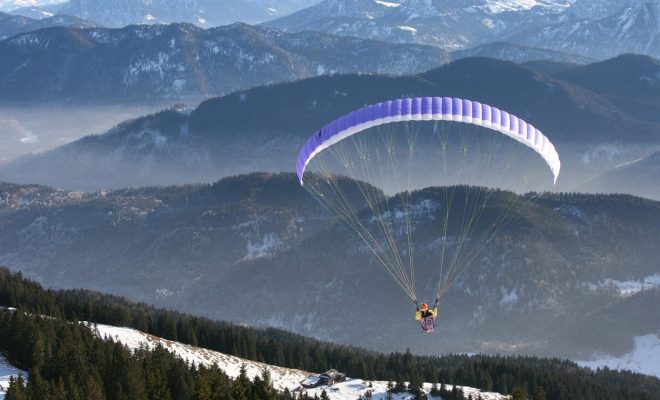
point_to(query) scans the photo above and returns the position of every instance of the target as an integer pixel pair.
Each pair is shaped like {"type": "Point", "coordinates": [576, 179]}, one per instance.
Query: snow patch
{"type": "Point", "coordinates": [489, 23]}
{"type": "Point", "coordinates": [30, 138]}
{"type": "Point", "coordinates": [268, 244]}
{"type": "Point", "coordinates": [508, 297]}
{"type": "Point", "coordinates": [500, 6]}
{"type": "Point", "coordinates": [376, 390]}
{"type": "Point", "coordinates": [7, 371]}
{"type": "Point", "coordinates": [387, 3]}
{"type": "Point", "coordinates": [164, 292]}
{"type": "Point", "coordinates": [645, 358]}
{"type": "Point", "coordinates": [407, 28]}
{"type": "Point", "coordinates": [627, 288]}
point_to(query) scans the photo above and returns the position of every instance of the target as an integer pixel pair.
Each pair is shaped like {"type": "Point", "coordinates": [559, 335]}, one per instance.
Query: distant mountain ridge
{"type": "Point", "coordinates": [182, 61]}
{"type": "Point", "coordinates": [204, 13]}
{"type": "Point", "coordinates": [411, 21]}
{"type": "Point", "coordinates": [639, 177]}
{"type": "Point", "coordinates": [262, 129]}
{"type": "Point", "coordinates": [592, 28]}
{"type": "Point", "coordinates": [632, 82]}
{"type": "Point", "coordinates": [633, 29]}
{"type": "Point", "coordinates": [519, 54]}
{"type": "Point", "coordinates": [11, 25]}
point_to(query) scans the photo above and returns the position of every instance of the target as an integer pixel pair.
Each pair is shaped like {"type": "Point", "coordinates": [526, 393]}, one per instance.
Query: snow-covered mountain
{"type": "Point", "coordinates": [151, 62]}
{"type": "Point", "coordinates": [449, 25]}
{"type": "Point", "coordinates": [596, 29]}
{"type": "Point", "coordinates": [597, 9]}
{"type": "Point", "coordinates": [633, 29]}
{"type": "Point", "coordinates": [10, 5]}
{"type": "Point", "coordinates": [204, 13]}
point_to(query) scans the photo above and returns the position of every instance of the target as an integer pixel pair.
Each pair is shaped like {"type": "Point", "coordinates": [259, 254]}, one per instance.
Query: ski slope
{"type": "Point", "coordinates": [281, 377]}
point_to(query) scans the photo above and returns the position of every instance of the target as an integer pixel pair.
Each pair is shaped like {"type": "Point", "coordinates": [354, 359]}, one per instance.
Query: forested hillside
{"type": "Point", "coordinates": [66, 360]}
{"type": "Point", "coordinates": [258, 249]}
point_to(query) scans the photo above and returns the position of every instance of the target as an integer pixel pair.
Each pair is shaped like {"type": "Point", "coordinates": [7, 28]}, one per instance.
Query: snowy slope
{"type": "Point", "coordinates": [354, 388]}
{"type": "Point", "coordinates": [282, 377]}
{"type": "Point", "coordinates": [645, 358]}
{"type": "Point", "coordinates": [592, 28]}
{"type": "Point", "coordinates": [133, 339]}
{"type": "Point", "coordinates": [7, 370]}
{"type": "Point", "coordinates": [633, 29]}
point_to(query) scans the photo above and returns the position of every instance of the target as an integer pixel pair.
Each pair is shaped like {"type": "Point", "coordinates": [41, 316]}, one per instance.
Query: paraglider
{"type": "Point", "coordinates": [426, 316]}
{"type": "Point", "coordinates": [369, 168]}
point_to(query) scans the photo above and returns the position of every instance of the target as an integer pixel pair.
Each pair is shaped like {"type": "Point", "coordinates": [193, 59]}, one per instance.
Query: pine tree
{"type": "Point", "coordinates": [16, 389]}
{"type": "Point", "coordinates": [241, 386]}
{"type": "Point", "coordinates": [202, 388]}
{"type": "Point", "coordinates": [157, 386]}
{"type": "Point", "coordinates": [519, 393]}
{"type": "Point", "coordinates": [539, 394]}
{"type": "Point", "coordinates": [415, 386]}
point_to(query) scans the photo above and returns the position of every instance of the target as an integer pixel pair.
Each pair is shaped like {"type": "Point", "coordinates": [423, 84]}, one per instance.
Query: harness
{"type": "Point", "coordinates": [427, 323]}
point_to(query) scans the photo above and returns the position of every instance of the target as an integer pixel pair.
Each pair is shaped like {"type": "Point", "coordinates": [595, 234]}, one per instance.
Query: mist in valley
{"type": "Point", "coordinates": [28, 130]}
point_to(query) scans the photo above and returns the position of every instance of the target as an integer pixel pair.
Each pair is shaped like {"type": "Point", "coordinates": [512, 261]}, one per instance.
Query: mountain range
{"type": "Point", "coordinates": [634, 29]}
{"type": "Point", "coordinates": [449, 25]}
{"type": "Point", "coordinates": [262, 129]}
{"type": "Point", "coordinates": [545, 285]}
{"type": "Point", "coordinates": [592, 28]}
{"type": "Point", "coordinates": [182, 61]}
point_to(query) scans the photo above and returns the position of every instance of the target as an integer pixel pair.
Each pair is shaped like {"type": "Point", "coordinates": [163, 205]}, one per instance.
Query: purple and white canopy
{"type": "Point", "coordinates": [428, 109]}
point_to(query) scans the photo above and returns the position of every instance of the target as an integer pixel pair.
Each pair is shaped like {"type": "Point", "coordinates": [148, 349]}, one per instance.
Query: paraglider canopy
{"type": "Point", "coordinates": [428, 108]}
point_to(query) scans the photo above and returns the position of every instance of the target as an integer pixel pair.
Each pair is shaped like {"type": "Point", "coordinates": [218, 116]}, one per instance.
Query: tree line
{"type": "Point", "coordinates": [26, 343]}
